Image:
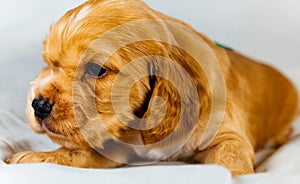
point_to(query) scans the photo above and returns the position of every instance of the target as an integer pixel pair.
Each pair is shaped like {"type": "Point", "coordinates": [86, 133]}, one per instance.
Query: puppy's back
{"type": "Point", "coordinates": [269, 98]}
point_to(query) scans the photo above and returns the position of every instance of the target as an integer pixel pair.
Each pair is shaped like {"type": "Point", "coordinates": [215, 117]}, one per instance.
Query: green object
{"type": "Point", "coordinates": [223, 46]}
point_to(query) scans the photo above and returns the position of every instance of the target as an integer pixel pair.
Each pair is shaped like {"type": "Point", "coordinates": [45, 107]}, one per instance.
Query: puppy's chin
{"type": "Point", "coordinates": [40, 127]}
{"type": "Point", "coordinates": [44, 127]}
{"type": "Point", "coordinates": [63, 140]}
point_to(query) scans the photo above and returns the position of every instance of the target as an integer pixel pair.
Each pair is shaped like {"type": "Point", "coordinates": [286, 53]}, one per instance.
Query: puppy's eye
{"type": "Point", "coordinates": [95, 70]}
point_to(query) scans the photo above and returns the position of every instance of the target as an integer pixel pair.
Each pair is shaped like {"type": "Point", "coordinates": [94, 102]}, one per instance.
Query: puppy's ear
{"type": "Point", "coordinates": [178, 92]}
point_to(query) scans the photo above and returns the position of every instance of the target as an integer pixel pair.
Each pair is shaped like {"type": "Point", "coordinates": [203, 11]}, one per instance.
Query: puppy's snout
{"type": "Point", "coordinates": [42, 108]}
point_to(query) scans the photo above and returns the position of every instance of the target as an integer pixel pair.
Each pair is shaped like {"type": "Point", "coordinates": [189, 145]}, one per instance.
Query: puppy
{"type": "Point", "coordinates": [125, 84]}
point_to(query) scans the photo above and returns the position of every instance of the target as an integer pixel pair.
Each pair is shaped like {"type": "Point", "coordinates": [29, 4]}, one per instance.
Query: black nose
{"type": "Point", "coordinates": [42, 108]}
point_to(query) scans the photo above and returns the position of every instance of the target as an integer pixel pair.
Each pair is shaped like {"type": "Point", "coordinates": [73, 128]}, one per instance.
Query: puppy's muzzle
{"type": "Point", "coordinates": [42, 108]}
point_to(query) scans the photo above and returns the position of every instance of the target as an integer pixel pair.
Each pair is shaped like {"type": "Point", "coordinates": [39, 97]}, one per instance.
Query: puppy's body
{"type": "Point", "coordinates": [260, 102]}
{"type": "Point", "coordinates": [268, 105]}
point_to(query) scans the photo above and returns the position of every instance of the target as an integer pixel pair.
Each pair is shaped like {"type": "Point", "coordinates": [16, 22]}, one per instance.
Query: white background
{"type": "Point", "coordinates": [263, 29]}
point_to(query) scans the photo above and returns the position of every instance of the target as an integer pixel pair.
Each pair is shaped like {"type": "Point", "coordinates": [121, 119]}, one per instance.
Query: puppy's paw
{"type": "Point", "coordinates": [26, 157]}
{"type": "Point", "coordinates": [75, 158]}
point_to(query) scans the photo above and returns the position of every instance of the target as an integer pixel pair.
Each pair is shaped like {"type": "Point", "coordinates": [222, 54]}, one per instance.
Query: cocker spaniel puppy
{"type": "Point", "coordinates": [125, 84]}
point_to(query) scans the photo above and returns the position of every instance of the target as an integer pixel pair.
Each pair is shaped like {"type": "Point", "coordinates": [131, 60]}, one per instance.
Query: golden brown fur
{"type": "Point", "coordinates": [260, 102]}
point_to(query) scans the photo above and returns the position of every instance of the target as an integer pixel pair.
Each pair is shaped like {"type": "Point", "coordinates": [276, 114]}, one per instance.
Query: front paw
{"type": "Point", "coordinates": [26, 157]}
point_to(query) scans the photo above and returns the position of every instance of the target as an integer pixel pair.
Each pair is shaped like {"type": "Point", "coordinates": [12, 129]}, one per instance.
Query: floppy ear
{"type": "Point", "coordinates": [178, 92]}
{"type": "Point", "coordinates": [190, 85]}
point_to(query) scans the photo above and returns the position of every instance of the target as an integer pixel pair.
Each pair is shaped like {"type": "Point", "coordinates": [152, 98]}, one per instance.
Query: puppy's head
{"type": "Point", "coordinates": [101, 84]}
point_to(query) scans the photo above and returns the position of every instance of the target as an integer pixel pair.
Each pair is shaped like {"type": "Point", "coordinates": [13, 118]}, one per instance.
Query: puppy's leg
{"type": "Point", "coordinates": [232, 152]}
{"type": "Point", "coordinates": [63, 156]}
